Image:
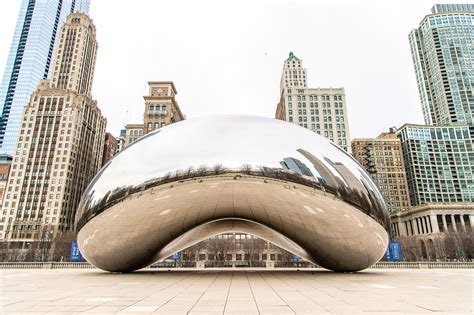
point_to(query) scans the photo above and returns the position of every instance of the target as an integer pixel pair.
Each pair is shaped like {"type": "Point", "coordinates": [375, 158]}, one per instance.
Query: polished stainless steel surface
{"type": "Point", "coordinates": [210, 175]}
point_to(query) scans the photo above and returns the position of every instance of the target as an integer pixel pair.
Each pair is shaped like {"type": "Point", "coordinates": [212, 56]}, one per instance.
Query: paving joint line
{"type": "Point", "coordinates": [251, 290]}
{"type": "Point", "coordinates": [228, 292]}
{"type": "Point", "coordinates": [207, 288]}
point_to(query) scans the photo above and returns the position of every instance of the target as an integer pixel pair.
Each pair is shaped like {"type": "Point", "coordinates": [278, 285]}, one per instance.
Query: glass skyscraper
{"type": "Point", "coordinates": [443, 56]}
{"type": "Point", "coordinates": [439, 161]}
{"type": "Point", "coordinates": [29, 60]}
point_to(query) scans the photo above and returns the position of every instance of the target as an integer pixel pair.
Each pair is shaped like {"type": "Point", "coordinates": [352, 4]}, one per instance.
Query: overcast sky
{"type": "Point", "coordinates": [227, 56]}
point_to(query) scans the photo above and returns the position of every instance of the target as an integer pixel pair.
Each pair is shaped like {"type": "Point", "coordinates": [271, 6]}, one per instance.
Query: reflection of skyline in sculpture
{"type": "Point", "coordinates": [325, 174]}
{"type": "Point", "coordinates": [296, 166]}
{"type": "Point", "coordinates": [352, 189]}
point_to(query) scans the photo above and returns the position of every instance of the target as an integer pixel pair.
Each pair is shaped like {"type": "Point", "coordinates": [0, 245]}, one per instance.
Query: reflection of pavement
{"type": "Point", "coordinates": [334, 234]}
{"type": "Point", "coordinates": [237, 292]}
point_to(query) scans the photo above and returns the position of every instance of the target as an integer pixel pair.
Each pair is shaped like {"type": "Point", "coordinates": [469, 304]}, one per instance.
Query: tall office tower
{"type": "Point", "coordinates": [322, 110]}
{"type": "Point", "coordinates": [382, 158]}
{"type": "Point", "coordinates": [59, 149]}
{"type": "Point", "coordinates": [29, 60]}
{"type": "Point", "coordinates": [439, 161]}
{"type": "Point", "coordinates": [443, 57]}
{"type": "Point", "coordinates": [161, 108]}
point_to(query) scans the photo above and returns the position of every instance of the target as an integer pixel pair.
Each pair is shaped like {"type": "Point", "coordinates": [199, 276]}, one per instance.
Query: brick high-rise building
{"type": "Point", "coordinates": [60, 143]}
{"type": "Point", "coordinates": [110, 148]}
{"type": "Point", "coordinates": [382, 158]}
{"type": "Point", "coordinates": [322, 110]}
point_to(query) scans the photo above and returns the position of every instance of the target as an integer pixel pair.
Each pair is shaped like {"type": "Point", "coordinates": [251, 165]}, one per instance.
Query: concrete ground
{"type": "Point", "coordinates": [227, 291]}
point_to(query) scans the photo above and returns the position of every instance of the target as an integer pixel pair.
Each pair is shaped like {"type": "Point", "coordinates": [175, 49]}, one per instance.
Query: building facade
{"type": "Point", "coordinates": [133, 132]}
{"type": "Point", "coordinates": [5, 164]}
{"type": "Point", "coordinates": [382, 158]}
{"type": "Point", "coordinates": [443, 57]}
{"type": "Point", "coordinates": [110, 148]}
{"type": "Point", "coordinates": [430, 219]}
{"type": "Point", "coordinates": [435, 231]}
{"type": "Point", "coordinates": [322, 110]}
{"type": "Point", "coordinates": [121, 140]}
{"type": "Point", "coordinates": [29, 61]}
{"type": "Point", "coordinates": [439, 161]}
{"type": "Point", "coordinates": [60, 144]}
{"type": "Point", "coordinates": [161, 109]}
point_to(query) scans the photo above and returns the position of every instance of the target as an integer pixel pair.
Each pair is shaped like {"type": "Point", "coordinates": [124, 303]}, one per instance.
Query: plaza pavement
{"type": "Point", "coordinates": [235, 291]}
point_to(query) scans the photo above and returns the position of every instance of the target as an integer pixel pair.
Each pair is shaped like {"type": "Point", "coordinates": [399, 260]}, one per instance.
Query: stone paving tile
{"type": "Point", "coordinates": [105, 309]}
{"type": "Point", "coordinates": [234, 291]}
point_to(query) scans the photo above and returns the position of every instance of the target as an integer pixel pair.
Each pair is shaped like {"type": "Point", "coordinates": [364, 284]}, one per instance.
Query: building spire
{"type": "Point", "coordinates": [292, 57]}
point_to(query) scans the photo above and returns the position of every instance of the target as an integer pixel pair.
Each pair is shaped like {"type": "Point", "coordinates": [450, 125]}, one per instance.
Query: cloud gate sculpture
{"type": "Point", "coordinates": [201, 177]}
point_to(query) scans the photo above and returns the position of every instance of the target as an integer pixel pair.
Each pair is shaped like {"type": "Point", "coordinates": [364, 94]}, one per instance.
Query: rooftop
{"type": "Point", "coordinates": [292, 57]}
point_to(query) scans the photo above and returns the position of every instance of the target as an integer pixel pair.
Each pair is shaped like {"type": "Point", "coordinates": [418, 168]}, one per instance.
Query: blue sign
{"type": "Point", "coordinates": [394, 252]}
{"type": "Point", "coordinates": [296, 258]}
{"type": "Point", "coordinates": [75, 254]}
{"type": "Point", "coordinates": [176, 256]}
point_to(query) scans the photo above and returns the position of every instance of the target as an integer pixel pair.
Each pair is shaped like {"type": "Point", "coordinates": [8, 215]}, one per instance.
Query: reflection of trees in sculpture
{"type": "Point", "coordinates": [246, 168]}
{"type": "Point", "coordinates": [218, 169]}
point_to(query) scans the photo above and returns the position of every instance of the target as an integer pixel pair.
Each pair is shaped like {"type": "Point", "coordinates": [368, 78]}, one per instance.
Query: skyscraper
{"type": "Point", "coordinates": [60, 144]}
{"type": "Point", "coordinates": [382, 158]}
{"type": "Point", "coordinates": [443, 57]}
{"type": "Point", "coordinates": [29, 61]}
{"type": "Point", "coordinates": [439, 161]}
{"type": "Point", "coordinates": [322, 110]}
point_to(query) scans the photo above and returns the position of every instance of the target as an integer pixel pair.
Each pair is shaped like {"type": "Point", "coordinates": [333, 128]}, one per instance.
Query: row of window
{"type": "Point", "coordinates": [157, 107]}
{"type": "Point", "coordinates": [316, 112]}
{"type": "Point", "coordinates": [155, 125]}
{"type": "Point", "coordinates": [315, 97]}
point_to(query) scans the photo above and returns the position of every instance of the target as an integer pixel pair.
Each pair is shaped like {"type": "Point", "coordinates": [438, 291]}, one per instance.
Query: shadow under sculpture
{"type": "Point", "coordinates": [201, 177]}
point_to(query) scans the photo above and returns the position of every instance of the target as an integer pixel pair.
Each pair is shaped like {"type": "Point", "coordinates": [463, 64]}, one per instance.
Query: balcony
{"type": "Point", "coordinates": [160, 112]}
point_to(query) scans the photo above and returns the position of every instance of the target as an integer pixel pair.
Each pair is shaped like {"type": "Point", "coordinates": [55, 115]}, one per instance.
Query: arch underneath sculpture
{"type": "Point", "coordinates": [232, 225]}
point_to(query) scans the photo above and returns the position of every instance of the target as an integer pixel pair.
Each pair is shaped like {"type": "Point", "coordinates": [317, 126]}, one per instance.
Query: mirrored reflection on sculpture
{"type": "Point", "coordinates": [206, 176]}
